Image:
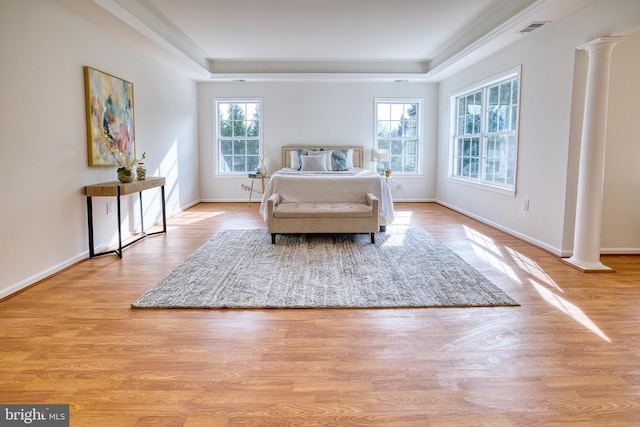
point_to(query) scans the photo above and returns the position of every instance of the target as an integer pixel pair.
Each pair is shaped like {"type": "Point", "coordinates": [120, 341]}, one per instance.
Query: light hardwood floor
{"type": "Point", "coordinates": [570, 355]}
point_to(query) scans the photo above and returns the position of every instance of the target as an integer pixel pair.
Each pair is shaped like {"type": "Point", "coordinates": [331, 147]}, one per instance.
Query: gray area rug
{"type": "Point", "coordinates": [404, 268]}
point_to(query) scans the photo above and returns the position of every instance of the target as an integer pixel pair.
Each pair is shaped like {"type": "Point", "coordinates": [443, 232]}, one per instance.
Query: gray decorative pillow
{"type": "Point", "coordinates": [314, 163]}
{"type": "Point", "coordinates": [322, 152]}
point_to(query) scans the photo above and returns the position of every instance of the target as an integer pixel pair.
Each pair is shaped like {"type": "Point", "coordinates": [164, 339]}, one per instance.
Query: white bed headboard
{"type": "Point", "coordinates": [358, 152]}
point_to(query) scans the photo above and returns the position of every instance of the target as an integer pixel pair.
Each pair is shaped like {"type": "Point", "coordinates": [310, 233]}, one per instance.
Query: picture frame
{"type": "Point", "coordinates": [110, 117]}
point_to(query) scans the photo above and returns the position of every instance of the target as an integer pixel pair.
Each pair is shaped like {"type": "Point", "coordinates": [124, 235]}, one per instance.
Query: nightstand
{"type": "Point", "coordinates": [253, 177]}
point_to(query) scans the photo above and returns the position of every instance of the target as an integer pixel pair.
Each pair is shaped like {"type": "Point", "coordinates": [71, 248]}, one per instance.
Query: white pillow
{"type": "Point", "coordinates": [350, 159]}
{"type": "Point", "coordinates": [314, 163]}
{"type": "Point", "coordinates": [326, 153]}
{"type": "Point", "coordinates": [295, 160]}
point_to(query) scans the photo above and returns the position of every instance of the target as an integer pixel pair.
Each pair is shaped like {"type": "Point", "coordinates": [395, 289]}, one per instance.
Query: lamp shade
{"type": "Point", "coordinates": [379, 155]}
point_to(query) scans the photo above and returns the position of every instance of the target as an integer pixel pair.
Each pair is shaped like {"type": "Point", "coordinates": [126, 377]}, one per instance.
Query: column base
{"type": "Point", "coordinates": [587, 267]}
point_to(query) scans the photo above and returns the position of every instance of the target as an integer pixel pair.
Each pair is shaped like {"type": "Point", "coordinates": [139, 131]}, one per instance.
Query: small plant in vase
{"type": "Point", "coordinates": [387, 173]}
{"type": "Point", "coordinates": [126, 165]}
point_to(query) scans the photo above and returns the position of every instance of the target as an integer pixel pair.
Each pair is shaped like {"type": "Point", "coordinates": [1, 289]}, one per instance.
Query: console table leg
{"type": "Point", "coordinates": [92, 252]}
{"type": "Point", "coordinates": [141, 214]}
{"type": "Point", "coordinates": [119, 253]}
{"type": "Point", "coordinates": [164, 211]}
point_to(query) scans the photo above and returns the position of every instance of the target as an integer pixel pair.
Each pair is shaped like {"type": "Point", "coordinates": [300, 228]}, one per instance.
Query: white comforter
{"type": "Point", "coordinates": [347, 186]}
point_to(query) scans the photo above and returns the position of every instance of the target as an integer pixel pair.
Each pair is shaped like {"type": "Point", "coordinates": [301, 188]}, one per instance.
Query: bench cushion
{"type": "Point", "coordinates": [323, 210]}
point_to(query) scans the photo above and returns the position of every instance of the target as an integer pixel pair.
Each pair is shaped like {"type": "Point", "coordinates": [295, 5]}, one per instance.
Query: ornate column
{"type": "Point", "coordinates": [588, 226]}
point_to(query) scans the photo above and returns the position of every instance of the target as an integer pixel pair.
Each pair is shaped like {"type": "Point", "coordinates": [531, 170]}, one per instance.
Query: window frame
{"type": "Point", "coordinates": [217, 138]}
{"type": "Point", "coordinates": [418, 137]}
{"type": "Point", "coordinates": [484, 134]}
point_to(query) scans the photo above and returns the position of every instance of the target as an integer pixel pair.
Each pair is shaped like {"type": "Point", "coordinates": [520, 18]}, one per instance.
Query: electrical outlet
{"type": "Point", "coordinates": [109, 208]}
{"type": "Point", "coordinates": [525, 204]}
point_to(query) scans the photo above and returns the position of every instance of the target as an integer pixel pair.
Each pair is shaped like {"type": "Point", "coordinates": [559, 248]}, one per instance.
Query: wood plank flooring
{"type": "Point", "coordinates": [570, 355]}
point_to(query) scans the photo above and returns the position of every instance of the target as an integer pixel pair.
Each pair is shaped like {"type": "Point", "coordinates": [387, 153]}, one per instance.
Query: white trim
{"type": "Point", "coordinates": [515, 72]}
{"type": "Point", "coordinates": [233, 100]}
{"type": "Point", "coordinates": [511, 72]}
{"type": "Point", "coordinates": [420, 102]}
{"type": "Point", "coordinates": [480, 185]}
{"type": "Point", "coordinates": [528, 239]}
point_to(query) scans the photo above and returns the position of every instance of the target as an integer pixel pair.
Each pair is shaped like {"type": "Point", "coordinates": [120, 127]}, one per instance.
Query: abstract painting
{"type": "Point", "coordinates": [110, 126]}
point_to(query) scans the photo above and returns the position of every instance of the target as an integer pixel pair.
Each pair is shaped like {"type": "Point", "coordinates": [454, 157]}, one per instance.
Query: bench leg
{"type": "Point", "coordinates": [273, 238]}
{"type": "Point", "coordinates": [373, 238]}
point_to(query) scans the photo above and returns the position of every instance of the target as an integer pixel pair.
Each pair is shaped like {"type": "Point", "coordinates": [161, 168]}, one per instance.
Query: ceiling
{"type": "Point", "coordinates": [253, 40]}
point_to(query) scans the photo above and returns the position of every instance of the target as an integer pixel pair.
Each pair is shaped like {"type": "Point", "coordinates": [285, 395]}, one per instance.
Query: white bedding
{"type": "Point", "coordinates": [329, 186]}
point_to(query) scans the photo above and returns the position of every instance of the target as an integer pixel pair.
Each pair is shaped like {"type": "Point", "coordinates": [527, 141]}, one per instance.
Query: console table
{"type": "Point", "coordinates": [117, 189]}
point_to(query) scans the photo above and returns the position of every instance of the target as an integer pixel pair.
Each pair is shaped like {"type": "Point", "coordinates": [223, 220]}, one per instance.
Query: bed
{"type": "Point", "coordinates": [299, 183]}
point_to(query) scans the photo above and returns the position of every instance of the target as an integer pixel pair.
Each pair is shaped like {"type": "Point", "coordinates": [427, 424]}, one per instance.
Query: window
{"type": "Point", "coordinates": [398, 131]}
{"type": "Point", "coordinates": [238, 135]}
{"type": "Point", "coordinates": [486, 127]}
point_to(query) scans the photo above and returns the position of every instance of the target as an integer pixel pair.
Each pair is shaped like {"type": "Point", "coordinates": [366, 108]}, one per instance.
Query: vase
{"type": "Point", "coordinates": [261, 169]}
{"type": "Point", "coordinates": [125, 175]}
{"type": "Point", "coordinates": [141, 172]}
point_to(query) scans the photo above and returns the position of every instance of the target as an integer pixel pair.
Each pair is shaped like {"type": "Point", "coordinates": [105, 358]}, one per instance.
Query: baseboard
{"type": "Point", "coordinates": [36, 278]}
{"type": "Point", "coordinates": [620, 251]}
{"type": "Point", "coordinates": [16, 288]}
{"type": "Point", "coordinates": [551, 249]}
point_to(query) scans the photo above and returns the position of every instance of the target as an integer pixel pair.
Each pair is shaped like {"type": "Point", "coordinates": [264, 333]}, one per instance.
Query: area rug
{"type": "Point", "coordinates": [404, 268]}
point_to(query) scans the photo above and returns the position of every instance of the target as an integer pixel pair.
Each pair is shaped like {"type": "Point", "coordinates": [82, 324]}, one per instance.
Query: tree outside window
{"type": "Point", "coordinates": [397, 131]}
{"type": "Point", "coordinates": [238, 135]}
{"type": "Point", "coordinates": [486, 126]}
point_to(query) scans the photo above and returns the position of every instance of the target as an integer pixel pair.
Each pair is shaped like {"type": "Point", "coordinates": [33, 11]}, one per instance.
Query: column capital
{"type": "Point", "coordinates": [605, 41]}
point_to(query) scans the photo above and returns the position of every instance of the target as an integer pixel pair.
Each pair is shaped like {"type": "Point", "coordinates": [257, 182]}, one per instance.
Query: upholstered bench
{"type": "Point", "coordinates": [322, 217]}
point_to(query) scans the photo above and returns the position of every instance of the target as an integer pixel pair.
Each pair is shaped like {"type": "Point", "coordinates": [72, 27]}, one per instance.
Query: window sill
{"type": "Point", "coordinates": [483, 186]}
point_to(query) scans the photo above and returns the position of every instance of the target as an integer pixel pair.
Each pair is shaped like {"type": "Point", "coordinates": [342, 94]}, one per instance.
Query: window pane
{"type": "Point", "coordinates": [411, 147]}
{"type": "Point", "coordinates": [396, 148]}
{"type": "Point", "coordinates": [239, 164]}
{"type": "Point", "coordinates": [252, 163]}
{"type": "Point", "coordinates": [253, 128]}
{"type": "Point", "coordinates": [396, 128]}
{"type": "Point", "coordinates": [237, 111]}
{"type": "Point", "coordinates": [225, 163]}
{"type": "Point", "coordinates": [475, 147]}
{"type": "Point", "coordinates": [253, 147]}
{"type": "Point", "coordinates": [223, 111]}
{"type": "Point", "coordinates": [226, 147]}
{"type": "Point", "coordinates": [505, 93]}
{"type": "Point", "coordinates": [397, 111]}
{"type": "Point", "coordinates": [383, 129]}
{"type": "Point", "coordinates": [239, 147]}
{"type": "Point", "coordinates": [384, 112]}
{"type": "Point", "coordinates": [225, 128]}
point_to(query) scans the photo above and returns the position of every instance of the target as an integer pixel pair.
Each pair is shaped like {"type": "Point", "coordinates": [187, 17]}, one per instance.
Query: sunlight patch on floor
{"type": "Point", "coordinates": [395, 232]}
{"type": "Point", "coordinates": [482, 240]}
{"type": "Point", "coordinates": [186, 218]}
{"type": "Point", "coordinates": [532, 267]}
{"type": "Point", "coordinates": [496, 263]}
{"type": "Point", "coordinates": [568, 308]}
{"type": "Point", "coordinates": [486, 249]}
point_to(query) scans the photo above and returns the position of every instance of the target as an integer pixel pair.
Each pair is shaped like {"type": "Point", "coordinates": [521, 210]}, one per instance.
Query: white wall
{"type": "Point", "coordinates": [338, 113]}
{"type": "Point", "coordinates": [548, 107]}
{"type": "Point", "coordinates": [43, 146]}
{"type": "Point", "coordinates": [621, 213]}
